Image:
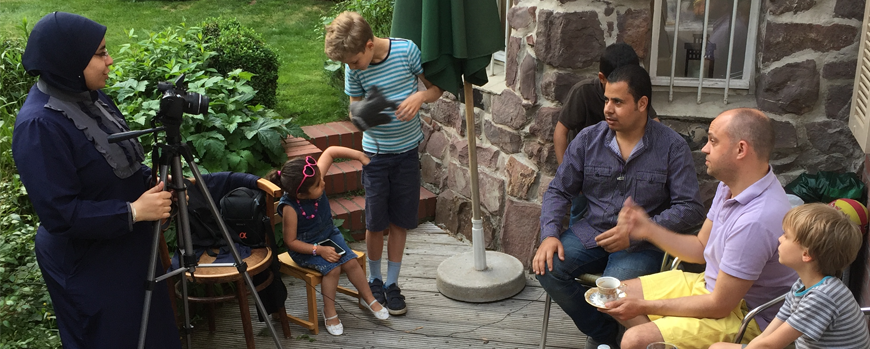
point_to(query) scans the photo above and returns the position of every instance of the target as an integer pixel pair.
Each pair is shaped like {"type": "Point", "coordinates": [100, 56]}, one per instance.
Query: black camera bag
{"type": "Point", "coordinates": [244, 212]}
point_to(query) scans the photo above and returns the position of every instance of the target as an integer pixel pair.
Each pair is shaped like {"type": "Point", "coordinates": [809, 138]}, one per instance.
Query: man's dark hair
{"type": "Point", "coordinates": [615, 56]}
{"type": "Point", "coordinates": [638, 81]}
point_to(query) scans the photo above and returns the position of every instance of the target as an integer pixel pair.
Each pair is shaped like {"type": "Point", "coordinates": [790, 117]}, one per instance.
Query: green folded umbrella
{"type": "Point", "coordinates": [456, 38]}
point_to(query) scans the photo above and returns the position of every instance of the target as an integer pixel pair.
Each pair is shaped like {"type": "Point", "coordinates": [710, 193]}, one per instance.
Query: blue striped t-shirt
{"type": "Point", "coordinates": [396, 78]}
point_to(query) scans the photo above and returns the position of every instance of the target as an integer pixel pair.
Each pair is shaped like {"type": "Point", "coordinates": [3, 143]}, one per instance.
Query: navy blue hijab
{"type": "Point", "coordinates": [60, 47]}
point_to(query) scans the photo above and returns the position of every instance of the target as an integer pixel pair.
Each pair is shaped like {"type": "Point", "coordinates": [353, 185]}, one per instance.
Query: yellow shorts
{"type": "Point", "coordinates": [689, 333]}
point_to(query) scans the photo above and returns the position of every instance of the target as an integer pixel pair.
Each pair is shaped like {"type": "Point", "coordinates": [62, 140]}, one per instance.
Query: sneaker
{"type": "Point", "coordinates": [377, 287]}
{"type": "Point", "coordinates": [395, 300]}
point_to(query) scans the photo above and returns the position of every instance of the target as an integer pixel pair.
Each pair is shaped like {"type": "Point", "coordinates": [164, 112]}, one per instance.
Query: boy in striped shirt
{"type": "Point", "coordinates": [392, 178]}
{"type": "Point", "coordinates": [819, 311]}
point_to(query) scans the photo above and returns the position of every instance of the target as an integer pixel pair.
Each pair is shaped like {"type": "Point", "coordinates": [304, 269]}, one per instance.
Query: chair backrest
{"type": "Point", "coordinates": [273, 194]}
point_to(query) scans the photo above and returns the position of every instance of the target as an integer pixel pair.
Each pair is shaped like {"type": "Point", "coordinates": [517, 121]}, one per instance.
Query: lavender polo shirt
{"type": "Point", "coordinates": [743, 242]}
{"type": "Point", "coordinates": [659, 175]}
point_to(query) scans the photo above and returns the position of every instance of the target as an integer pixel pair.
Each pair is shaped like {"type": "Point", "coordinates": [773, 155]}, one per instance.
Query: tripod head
{"type": "Point", "coordinates": [176, 101]}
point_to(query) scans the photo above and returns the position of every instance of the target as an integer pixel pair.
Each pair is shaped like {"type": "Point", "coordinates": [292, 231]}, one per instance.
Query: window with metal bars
{"type": "Point", "coordinates": [704, 43]}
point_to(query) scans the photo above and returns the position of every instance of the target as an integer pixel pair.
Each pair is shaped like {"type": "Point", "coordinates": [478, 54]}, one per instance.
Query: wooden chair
{"type": "Point", "coordinates": [312, 278]}
{"type": "Point", "coordinates": [259, 261]}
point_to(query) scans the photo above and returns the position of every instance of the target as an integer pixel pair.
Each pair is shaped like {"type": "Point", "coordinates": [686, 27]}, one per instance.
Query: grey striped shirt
{"type": "Point", "coordinates": [827, 316]}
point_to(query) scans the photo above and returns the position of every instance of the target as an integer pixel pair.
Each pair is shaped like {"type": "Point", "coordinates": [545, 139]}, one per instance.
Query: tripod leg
{"type": "Point", "coordinates": [240, 264]}
{"type": "Point", "coordinates": [150, 282]}
{"type": "Point", "coordinates": [188, 258]}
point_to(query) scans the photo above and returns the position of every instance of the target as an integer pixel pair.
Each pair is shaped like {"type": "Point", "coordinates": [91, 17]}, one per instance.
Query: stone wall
{"type": "Point", "coordinates": [805, 68]}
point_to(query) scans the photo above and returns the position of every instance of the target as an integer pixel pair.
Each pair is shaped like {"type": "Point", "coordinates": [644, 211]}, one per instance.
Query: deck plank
{"type": "Point", "coordinates": [432, 321]}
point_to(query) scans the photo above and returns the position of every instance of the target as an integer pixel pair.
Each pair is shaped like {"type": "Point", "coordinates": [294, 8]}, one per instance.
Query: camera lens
{"type": "Point", "coordinates": [195, 103]}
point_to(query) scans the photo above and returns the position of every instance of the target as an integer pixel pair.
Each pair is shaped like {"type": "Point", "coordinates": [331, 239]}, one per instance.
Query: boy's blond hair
{"type": "Point", "coordinates": [831, 238]}
{"type": "Point", "coordinates": [346, 36]}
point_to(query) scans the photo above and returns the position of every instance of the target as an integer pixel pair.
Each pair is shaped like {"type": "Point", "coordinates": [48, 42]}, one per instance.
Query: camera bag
{"type": "Point", "coordinates": [244, 212]}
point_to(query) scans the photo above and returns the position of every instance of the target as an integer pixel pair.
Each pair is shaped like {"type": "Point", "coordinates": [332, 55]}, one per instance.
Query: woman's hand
{"type": "Point", "coordinates": [328, 253]}
{"type": "Point", "coordinates": [154, 204]}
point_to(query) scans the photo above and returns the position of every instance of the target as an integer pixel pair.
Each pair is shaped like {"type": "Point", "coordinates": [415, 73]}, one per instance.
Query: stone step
{"type": "Point", "coordinates": [352, 210]}
{"type": "Point", "coordinates": [342, 133]}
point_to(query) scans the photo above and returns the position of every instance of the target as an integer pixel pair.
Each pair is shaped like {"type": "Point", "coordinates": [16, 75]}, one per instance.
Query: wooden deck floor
{"type": "Point", "coordinates": [432, 321]}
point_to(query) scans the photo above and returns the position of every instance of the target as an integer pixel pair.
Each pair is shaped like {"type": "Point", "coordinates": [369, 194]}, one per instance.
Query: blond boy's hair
{"type": "Point", "coordinates": [831, 238]}
{"type": "Point", "coordinates": [346, 36]}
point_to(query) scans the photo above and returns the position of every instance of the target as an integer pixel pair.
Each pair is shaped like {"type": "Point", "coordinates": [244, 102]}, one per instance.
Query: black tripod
{"type": "Point", "coordinates": [174, 102]}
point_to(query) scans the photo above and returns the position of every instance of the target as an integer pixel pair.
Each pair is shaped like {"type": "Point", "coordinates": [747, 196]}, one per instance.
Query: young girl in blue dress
{"type": "Point", "coordinates": [308, 220]}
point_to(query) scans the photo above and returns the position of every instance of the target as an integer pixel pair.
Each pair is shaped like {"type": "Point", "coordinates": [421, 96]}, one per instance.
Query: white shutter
{"type": "Point", "coordinates": [859, 118]}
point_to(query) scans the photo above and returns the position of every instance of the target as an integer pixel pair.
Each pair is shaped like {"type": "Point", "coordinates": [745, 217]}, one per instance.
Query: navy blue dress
{"type": "Point", "coordinates": [314, 230]}
{"type": "Point", "coordinates": [93, 259]}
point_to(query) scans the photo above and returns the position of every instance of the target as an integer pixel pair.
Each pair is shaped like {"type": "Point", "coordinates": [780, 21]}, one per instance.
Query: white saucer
{"type": "Point", "coordinates": [593, 297]}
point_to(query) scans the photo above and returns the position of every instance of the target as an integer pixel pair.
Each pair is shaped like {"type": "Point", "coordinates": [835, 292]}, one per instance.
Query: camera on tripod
{"type": "Point", "coordinates": [177, 100]}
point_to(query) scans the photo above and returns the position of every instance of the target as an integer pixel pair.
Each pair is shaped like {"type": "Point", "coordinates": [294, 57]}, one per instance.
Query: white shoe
{"type": "Point", "coordinates": [382, 314]}
{"type": "Point", "coordinates": [335, 330]}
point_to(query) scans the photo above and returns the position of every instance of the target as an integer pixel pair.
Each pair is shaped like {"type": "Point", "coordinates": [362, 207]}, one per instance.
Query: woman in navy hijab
{"type": "Point", "coordinates": [94, 198]}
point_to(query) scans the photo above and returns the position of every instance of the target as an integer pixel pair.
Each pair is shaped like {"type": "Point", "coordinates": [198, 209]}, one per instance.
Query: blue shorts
{"type": "Point", "coordinates": [392, 184]}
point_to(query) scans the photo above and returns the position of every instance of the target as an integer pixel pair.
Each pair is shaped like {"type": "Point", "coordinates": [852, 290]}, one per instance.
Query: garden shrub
{"type": "Point", "coordinates": [240, 47]}
{"type": "Point", "coordinates": [26, 315]}
{"type": "Point", "coordinates": [236, 135]}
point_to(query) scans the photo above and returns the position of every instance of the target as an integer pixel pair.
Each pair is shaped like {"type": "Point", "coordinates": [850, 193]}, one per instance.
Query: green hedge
{"type": "Point", "coordinates": [240, 47]}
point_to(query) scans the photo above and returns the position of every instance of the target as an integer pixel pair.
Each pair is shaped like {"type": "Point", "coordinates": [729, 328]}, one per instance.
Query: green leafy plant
{"type": "Point", "coordinates": [345, 233]}
{"type": "Point", "coordinates": [236, 134]}
{"type": "Point", "coordinates": [240, 47]}
{"type": "Point", "coordinates": [28, 319]}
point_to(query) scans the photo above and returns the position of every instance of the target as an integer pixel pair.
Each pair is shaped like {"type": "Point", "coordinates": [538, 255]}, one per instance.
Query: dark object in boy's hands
{"type": "Point", "coordinates": [369, 113]}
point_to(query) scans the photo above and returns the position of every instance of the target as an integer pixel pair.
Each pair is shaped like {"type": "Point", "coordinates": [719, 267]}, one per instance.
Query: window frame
{"type": "Point", "coordinates": [749, 60]}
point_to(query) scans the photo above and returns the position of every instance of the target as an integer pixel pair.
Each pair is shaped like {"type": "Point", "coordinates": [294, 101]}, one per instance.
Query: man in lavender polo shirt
{"type": "Point", "coordinates": [626, 155]}
{"type": "Point", "coordinates": [738, 242]}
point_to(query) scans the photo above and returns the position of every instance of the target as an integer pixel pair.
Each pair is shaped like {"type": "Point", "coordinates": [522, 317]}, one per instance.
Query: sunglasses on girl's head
{"type": "Point", "coordinates": [307, 171]}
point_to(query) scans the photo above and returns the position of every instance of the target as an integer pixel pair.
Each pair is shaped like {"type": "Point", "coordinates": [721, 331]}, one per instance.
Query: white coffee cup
{"type": "Point", "coordinates": [608, 287]}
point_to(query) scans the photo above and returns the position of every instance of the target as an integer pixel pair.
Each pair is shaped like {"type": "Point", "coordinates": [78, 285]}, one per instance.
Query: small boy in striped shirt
{"type": "Point", "coordinates": [819, 311]}
{"type": "Point", "coordinates": [391, 180]}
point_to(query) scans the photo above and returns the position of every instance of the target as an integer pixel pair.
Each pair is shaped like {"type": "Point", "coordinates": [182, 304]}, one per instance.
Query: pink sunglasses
{"type": "Point", "coordinates": [309, 167]}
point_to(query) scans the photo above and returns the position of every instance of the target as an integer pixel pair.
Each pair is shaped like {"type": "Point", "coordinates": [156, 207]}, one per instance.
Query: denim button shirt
{"type": "Point", "coordinates": [659, 175]}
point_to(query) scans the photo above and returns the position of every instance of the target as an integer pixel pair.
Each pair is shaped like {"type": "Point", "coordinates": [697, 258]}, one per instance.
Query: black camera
{"type": "Point", "coordinates": [175, 94]}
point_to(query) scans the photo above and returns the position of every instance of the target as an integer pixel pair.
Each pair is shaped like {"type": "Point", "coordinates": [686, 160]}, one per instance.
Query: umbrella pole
{"type": "Point", "coordinates": [477, 240]}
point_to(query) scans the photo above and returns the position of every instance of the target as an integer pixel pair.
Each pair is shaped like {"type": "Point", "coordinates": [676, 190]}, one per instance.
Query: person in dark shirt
{"type": "Point", "coordinates": [585, 107]}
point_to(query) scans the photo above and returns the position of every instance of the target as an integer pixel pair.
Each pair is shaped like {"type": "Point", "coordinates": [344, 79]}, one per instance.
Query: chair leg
{"type": "Point", "coordinates": [242, 296]}
{"type": "Point", "coordinates": [209, 292]}
{"type": "Point", "coordinates": [281, 316]}
{"type": "Point", "coordinates": [547, 304]}
{"type": "Point", "coordinates": [312, 306]}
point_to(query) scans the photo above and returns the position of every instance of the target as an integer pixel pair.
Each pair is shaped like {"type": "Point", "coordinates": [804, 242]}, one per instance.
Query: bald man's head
{"type": "Point", "coordinates": [752, 126]}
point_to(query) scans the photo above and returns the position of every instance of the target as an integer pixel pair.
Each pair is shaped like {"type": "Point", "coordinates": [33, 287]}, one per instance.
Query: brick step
{"type": "Point", "coordinates": [343, 177]}
{"type": "Point", "coordinates": [296, 146]}
{"type": "Point", "coordinates": [352, 210]}
{"type": "Point", "coordinates": [342, 133]}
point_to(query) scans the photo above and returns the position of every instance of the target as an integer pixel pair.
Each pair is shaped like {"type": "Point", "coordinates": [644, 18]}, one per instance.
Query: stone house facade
{"type": "Point", "coordinates": [804, 69]}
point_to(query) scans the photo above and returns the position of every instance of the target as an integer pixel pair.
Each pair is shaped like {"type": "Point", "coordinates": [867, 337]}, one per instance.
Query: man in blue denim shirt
{"type": "Point", "coordinates": [624, 156]}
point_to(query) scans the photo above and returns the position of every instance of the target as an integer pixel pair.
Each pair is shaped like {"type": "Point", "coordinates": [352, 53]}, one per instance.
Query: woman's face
{"type": "Point", "coordinates": [97, 71]}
